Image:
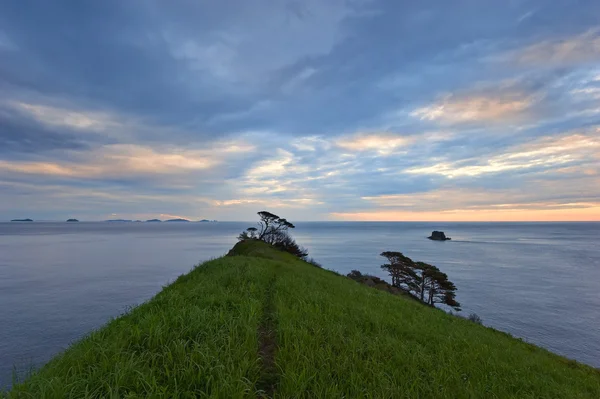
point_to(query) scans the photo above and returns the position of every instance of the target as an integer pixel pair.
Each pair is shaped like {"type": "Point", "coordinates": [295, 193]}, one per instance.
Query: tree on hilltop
{"type": "Point", "coordinates": [273, 230]}
{"type": "Point", "coordinates": [270, 225]}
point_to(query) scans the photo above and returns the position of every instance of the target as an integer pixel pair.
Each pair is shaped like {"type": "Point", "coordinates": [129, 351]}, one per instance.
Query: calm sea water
{"type": "Point", "coordinates": [58, 281]}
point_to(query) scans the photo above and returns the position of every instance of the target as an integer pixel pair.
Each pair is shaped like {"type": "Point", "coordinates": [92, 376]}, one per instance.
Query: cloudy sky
{"type": "Point", "coordinates": [314, 109]}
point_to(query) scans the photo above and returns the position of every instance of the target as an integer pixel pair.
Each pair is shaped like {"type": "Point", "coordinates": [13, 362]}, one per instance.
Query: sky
{"type": "Point", "coordinates": [463, 110]}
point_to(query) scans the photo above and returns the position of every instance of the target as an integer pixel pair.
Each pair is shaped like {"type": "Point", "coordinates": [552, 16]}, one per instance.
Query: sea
{"type": "Point", "coordinates": [58, 281]}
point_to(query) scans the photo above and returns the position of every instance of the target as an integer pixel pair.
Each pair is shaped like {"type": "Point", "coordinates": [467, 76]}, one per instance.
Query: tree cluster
{"type": "Point", "coordinates": [424, 281]}
{"type": "Point", "coordinates": [273, 230]}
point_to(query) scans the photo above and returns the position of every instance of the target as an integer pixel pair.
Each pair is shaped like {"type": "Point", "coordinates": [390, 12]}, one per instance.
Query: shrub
{"type": "Point", "coordinates": [283, 241]}
{"type": "Point", "coordinates": [354, 274]}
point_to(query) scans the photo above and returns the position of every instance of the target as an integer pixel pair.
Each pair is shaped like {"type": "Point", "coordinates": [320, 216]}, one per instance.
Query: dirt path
{"type": "Point", "coordinates": [267, 345]}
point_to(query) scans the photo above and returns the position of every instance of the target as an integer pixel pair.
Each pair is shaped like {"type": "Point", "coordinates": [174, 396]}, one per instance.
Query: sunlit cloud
{"type": "Point", "coordinates": [272, 167]}
{"type": "Point", "coordinates": [383, 144]}
{"type": "Point", "coordinates": [121, 160]}
{"type": "Point", "coordinates": [491, 108]}
{"type": "Point", "coordinates": [545, 152]}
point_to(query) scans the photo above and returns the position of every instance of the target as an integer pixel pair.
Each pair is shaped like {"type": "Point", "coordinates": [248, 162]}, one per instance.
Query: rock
{"type": "Point", "coordinates": [438, 236]}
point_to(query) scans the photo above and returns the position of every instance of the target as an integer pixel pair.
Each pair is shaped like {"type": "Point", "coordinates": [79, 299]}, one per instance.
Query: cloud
{"type": "Point", "coordinates": [69, 118]}
{"type": "Point", "coordinates": [484, 108]}
{"type": "Point", "coordinates": [383, 144]}
{"type": "Point", "coordinates": [311, 143]}
{"type": "Point", "coordinates": [128, 160]}
{"type": "Point", "coordinates": [541, 153]}
{"type": "Point", "coordinates": [246, 51]}
{"type": "Point", "coordinates": [22, 136]}
{"type": "Point", "coordinates": [565, 51]}
{"type": "Point", "coordinates": [544, 199]}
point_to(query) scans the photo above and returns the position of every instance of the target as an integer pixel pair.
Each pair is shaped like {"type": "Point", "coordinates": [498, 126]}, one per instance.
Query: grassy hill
{"type": "Point", "coordinates": [264, 324]}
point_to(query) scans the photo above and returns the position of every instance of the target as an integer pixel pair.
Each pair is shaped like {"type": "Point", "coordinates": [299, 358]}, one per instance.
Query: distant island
{"type": "Point", "coordinates": [119, 220]}
{"type": "Point", "coordinates": [22, 220]}
{"type": "Point", "coordinates": [438, 236]}
{"type": "Point", "coordinates": [72, 220]}
{"type": "Point", "coordinates": [153, 221]}
{"type": "Point", "coordinates": [177, 220]}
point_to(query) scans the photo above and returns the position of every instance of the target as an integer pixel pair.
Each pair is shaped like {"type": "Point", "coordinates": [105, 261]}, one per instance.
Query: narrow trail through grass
{"type": "Point", "coordinates": [267, 344]}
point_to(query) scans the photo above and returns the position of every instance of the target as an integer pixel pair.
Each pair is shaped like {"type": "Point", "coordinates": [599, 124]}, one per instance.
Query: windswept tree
{"type": "Point", "coordinates": [270, 225]}
{"type": "Point", "coordinates": [424, 281]}
{"type": "Point", "coordinates": [436, 285]}
{"type": "Point", "coordinates": [402, 270]}
{"type": "Point", "coordinates": [273, 230]}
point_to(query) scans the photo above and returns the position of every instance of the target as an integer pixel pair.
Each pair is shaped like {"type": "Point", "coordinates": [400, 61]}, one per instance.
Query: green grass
{"type": "Point", "coordinates": [203, 336]}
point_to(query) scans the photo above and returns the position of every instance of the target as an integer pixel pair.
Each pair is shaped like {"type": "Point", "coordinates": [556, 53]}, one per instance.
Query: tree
{"type": "Point", "coordinates": [439, 288]}
{"type": "Point", "coordinates": [271, 224]}
{"type": "Point", "coordinates": [252, 232]}
{"type": "Point", "coordinates": [402, 270]}
{"type": "Point", "coordinates": [249, 233]}
{"type": "Point", "coordinates": [424, 281]}
{"type": "Point", "coordinates": [273, 230]}
{"type": "Point", "coordinates": [284, 241]}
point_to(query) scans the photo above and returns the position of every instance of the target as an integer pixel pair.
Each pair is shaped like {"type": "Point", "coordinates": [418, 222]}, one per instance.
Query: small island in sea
{"type": "Point", "coordinates": [22, 220]}
{"type": "Point", "coordinates": [72, 220]}
{"type": "Point", "coordinates": [438, 236]}
{"type": "Point", "coordinates": [177, 220]}
{"type": "Point", "coordinates": [119, 220]}
{"type": "Point", "coordinates": [153, 221]}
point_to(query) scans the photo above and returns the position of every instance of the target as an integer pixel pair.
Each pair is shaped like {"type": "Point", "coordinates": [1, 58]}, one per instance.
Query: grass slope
{"type": "Point", "coordinates": [264, 324]}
